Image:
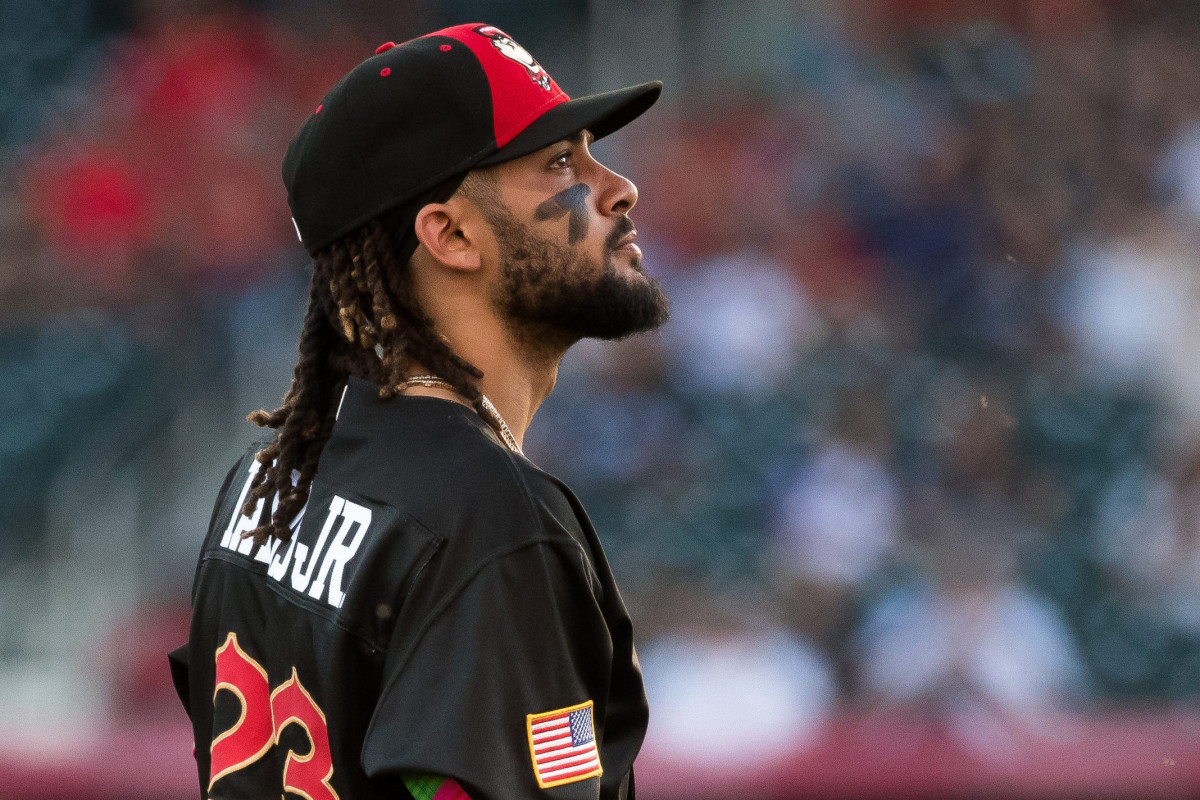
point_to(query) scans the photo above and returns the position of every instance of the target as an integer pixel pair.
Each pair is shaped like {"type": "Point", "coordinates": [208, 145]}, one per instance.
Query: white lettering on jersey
{"type": "Point", "coordinates": [300, 576]}
{"type": "Point", "coordinates": [346, 542]}
{"type": "Point", "coordinates": [279, 564]}
{"type": "Point", "coordinates": [267, 551]}
{"type": "Point", "coordinates": [356, 518]}
{"type": "Point", "coordinates": [238, 522]}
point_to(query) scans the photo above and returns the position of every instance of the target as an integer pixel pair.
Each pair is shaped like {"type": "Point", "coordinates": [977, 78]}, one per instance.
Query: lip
{"type": "Point", "coordinates": [626, 243]}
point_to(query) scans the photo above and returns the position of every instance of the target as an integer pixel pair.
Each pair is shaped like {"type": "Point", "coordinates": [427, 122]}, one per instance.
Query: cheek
{"type": "Point", "coordinates": [490, 254]}
{"type": "Point", "coordinates": [599, 253]}
{"type": "Point", "coordinates": [600, 230]}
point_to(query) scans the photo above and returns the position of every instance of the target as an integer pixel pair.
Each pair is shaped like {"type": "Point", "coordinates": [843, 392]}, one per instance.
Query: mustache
{"type": "Point", "coordinates": [623, 227]}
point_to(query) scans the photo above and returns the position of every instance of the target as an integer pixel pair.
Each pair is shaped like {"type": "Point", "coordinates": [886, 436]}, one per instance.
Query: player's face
{"type": "Point", "coordinates": [565, 246]}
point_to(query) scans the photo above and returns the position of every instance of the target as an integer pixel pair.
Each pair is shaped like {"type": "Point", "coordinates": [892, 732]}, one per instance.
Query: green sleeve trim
{"type": "Point", "coordinates": [433, 787]}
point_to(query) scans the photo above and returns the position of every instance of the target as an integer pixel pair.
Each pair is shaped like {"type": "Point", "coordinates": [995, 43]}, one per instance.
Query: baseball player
{"type": "Point", "coordinates": [391, 600]}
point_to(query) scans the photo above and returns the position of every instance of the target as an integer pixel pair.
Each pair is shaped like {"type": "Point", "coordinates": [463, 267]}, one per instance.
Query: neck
{"type": "Point", "coordinates": [516, 380]}
{"type": "Point", "coordinates": [519, 366]}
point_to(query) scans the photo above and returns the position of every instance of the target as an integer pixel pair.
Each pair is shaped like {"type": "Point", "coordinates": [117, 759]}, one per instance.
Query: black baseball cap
{"type": "Point", "coordinates": [417, 114]}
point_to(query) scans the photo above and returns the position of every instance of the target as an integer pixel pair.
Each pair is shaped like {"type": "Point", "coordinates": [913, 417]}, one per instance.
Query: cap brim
{"type": "Point", "coordinates": [601, 114]}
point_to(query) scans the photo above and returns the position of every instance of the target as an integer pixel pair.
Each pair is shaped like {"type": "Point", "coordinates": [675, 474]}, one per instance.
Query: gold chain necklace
{"type": "Point", "coordinates": [489, 413]}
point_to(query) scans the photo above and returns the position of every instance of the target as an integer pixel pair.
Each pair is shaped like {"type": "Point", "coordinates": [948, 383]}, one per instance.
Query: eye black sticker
{"type": "Point", "coordinates": [573, 201]}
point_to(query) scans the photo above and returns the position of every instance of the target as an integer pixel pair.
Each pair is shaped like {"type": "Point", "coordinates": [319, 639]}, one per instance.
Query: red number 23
{"type": "Point", "coordinates": [263, 717]}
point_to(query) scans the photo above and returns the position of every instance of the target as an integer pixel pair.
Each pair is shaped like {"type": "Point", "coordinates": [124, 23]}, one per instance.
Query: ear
{"type": "Point", "coordinates": [447, 232]}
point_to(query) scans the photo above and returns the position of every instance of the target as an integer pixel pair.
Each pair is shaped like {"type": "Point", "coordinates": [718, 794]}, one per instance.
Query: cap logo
{"type": "Point", "coordinates": [513, 51]}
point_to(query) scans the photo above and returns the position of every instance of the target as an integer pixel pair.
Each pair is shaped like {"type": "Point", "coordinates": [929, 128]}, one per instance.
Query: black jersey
{"type": "Point", "coordinates": [444, 607]}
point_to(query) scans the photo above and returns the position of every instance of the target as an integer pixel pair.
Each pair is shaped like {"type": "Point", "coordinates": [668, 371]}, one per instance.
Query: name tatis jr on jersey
{"type": "Point", "coordinates": [333, 549]}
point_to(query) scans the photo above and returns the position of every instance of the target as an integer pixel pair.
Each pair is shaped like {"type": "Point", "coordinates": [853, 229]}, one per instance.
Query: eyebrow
{"type": "Point", "coordinates": [582, 137]}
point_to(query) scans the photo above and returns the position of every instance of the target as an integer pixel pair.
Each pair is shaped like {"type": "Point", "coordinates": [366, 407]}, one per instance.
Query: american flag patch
{"type": "Point", "coordinates": [563, 745]}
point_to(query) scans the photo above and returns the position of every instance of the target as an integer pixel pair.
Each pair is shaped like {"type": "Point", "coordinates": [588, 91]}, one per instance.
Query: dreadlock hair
{"type": "Point", "coordinates": [363, 319]}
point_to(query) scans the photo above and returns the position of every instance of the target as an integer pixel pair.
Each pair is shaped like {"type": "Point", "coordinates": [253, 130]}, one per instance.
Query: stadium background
{"type": "Point", "coordinates": [905, 500]}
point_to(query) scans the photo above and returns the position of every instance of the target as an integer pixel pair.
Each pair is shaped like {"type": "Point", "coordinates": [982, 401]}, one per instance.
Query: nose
{"type": "Point", "coordinates": [619, 195]}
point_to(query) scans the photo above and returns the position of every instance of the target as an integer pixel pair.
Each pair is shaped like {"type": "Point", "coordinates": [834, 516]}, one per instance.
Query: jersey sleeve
{"type": "Point", "coordinates": [504, 689]}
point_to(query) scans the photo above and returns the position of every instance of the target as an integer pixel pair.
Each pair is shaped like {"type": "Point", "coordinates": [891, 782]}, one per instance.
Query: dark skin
{"type": "Point", "coordinates": [595, 199]}
{"type": "Point", "coordinates": [458, 267]}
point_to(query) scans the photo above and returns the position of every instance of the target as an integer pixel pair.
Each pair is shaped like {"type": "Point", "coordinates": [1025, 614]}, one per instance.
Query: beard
{"type": "Point", "coordinates": [556, 291]}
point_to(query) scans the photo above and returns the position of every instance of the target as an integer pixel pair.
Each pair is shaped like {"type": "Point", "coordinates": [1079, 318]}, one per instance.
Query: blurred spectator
{"type": "Point", "coordinates": [1133, 305]}
{"type": "Point", "coordinates": [966, 631]}
{"type": "Point", "coordinates": [731, 688]}
{"type": "Point", "coordinates": [1178, 173]}
{"type": "Point", "coordinates": [739, 323]}
{"type": "Point", "coordinates": [837, 521]}
{"type": "Point", "coordinates": [1148, 535]}
{"type": "Point", "coordinates": [181, 160]}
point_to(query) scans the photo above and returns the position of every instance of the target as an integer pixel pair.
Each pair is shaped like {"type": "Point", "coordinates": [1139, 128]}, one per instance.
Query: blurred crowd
{"type": "Point", "coordinates": [923, 432]}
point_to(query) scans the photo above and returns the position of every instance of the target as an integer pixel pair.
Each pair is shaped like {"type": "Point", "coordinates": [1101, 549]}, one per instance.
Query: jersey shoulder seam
{"type": "Point", "coordinates": [292, 599]}
{"type": "Point", "coordinates": [435, 542]}
{"type": "Point", "coordinates": [527, 493]}
{"type": "Point", "coordinates": [516, 475]}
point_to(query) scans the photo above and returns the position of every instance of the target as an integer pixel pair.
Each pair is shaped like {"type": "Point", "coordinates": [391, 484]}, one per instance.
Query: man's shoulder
{"type": "Point", "coordinates": [496, 498]}
{"type": "Point", "coordinates": [438, 462]}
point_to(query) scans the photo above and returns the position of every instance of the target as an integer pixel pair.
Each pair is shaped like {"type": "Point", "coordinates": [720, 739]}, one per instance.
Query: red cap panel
{"type": "Point", "coordinates": [521, 89]}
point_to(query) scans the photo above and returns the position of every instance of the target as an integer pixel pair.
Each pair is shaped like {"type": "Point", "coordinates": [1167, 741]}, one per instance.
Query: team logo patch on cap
{"type": "Point", "coordinates": [510, 49]}
{"type": "Point", "coordinates": [563, 745]}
